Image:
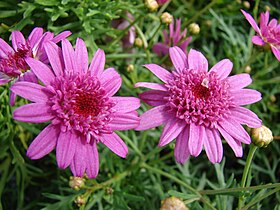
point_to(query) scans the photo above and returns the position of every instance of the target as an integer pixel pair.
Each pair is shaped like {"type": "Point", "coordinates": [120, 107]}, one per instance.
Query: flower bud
{"type": "Point", "coordinates": [194, 28]}
{"type": "Point", "coordinates": [109, 191]}
{"type": "Point", "coordinates": [173, 203]}
{"type": "Point", "coordinates": [152, 5]}
{"type": "Point", "coordinates": [166, 18]}
{"type": "Point", "coordinates": [247, 69]}
{"type": "Point", "coordinates": [246, 4]}
{"type": "Point", "coordinates": [80, 200]}
{"type": "Point", "coordinates": [261, 136]}
{"type": "Point", "coordinates": [272, 98]}
{"type": "Point", "coordinates": [76, 183]}
{"type": "Point", "coordinates": [130, 68]}
{"type": "Point", "coordinates": [267, 8]}
{"type": "Point", "coordinates": [138, 42]}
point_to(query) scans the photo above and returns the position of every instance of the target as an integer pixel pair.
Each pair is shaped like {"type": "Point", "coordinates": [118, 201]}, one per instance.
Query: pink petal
{"type": "Point", "coordinates": [197, 61]}
{"type": "Point", "coordinates": [17, 40]}
{"type": "Point", "coordinates": [264, 20]}
{"type": "Point", "coordinates": [171, 130]}
{"type": "Point", "coordinates": [28, 76]}
{"type": "Point", "coordinates": [196, 139]}
{"type": "Point", "coordinates": [35, 36]}
{"type": "Point", "coordinates": [78, 164]}
{"type": "Point", "coordinates": [246, 96]}
{"type": "Point", "coordinates": [65, 148]}
{"type": "Point", "coordinates": [178, 58]}
{"type": "Point", "coordinates": [234, 129]}
{"type": "Point", "coordinates": [276, 52]}
{"type": "Point", "coordinates": [235, 145]}
{"type": "Point", "coordinates": [92, 160]}
{"type": "Point", "coordinates": [222, 68]}
{"type": "Point", "coordinates": [154, 97]}
{"type": "Point", "coordinates": [160, 72]}
{"type": "Point", "coordinates": [61, 36]}
{"type": "Point", "coordinates": [97, 63]}
{"type": "Point", "coordinates": [125, 104]}
{"type": "Point", "coordinates": [152, 118]}
{"type": "Point", "coordinates": [213, 145]}
{"type": "Point", "coordinates": [30, 91]}
{"type": "Point", "coordinates": [81, 55]}
{"type": "Point", "coordinates": [181, 151]}
{"type": "Point", "coordinates": [111, 81]}
{"type": "Point", "coordinates": [13, 97]}
{"type": "Point", "coordinates": [258, 40]}
{"type": "Point", "coordinates": [55, 57]}
{"type": "Point", "coordinates": [245, 116]}
{"type": "Point", "coordinates": [44, 143]}
{"type": "Point", "coordinates": [251, 21]}
{"type": "Point", "coordinates": [124, 121]}
{"type": "Point", "coordinates": [115, 144]}
{"type": "Point", "coordinates": [239, 81]}
{"type": "Point", "coordinates": [41, 70]}
{"type": "Point", "coordinates": [161, 49]}
{"type": "Point", "coordinates": [154, 86]}
{"type": "Point", "coordinates": [5, 49]}
{"type": "Point", "coordinates": [33, 113]}
{"type": "Point", "coordinates": [68, 56]}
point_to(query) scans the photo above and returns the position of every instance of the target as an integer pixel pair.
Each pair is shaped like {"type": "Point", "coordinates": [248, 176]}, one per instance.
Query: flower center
{"type": "Point", "coordinates": [79, 102]}
{"type": "Point", "coordinates": [199, 98]}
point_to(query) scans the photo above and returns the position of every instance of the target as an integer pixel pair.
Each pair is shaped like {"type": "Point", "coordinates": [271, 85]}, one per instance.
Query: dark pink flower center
{"type": "Point", "coordinates": [79, 102]}
{"type": "Point", "coordinates": [199, 97]}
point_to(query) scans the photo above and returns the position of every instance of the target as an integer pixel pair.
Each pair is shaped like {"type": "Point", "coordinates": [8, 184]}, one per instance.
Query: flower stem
{"type": "Point", "coordinates": [252, 151]}
{"type": "Point", "coordinates": [153, 36]}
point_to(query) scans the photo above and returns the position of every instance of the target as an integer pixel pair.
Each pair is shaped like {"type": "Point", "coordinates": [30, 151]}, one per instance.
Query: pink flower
{"type": "Point", "coordinates": [196, 106]}
{"type": "Point", "coordinates": [268, 33]}
{"type": "Point", "coordinates": [174, 38]}
{"type": "Point", "coordinates": [12, 60]}
{"type": "Point", "coordinates": [80, 104]}
{"type": "Point", "coordinates": [162, 1]}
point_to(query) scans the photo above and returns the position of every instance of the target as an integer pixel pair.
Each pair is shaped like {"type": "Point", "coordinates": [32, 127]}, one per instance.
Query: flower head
{"type": "Point", "coordinates": [268, 32]}
{"type": "Point", "coordinates": [173, 38]}
{"type": "Point", "coordinates": [162, 1]}
{"type": "Point", "coordinates": [13, 64]}
{"type": "Point", "coordinates": [196, 106]}
{"type": "Point", "coordinates": [80, 104]}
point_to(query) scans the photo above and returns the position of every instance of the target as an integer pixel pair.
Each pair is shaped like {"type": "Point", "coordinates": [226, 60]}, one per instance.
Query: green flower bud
{"type": "Point", "coordinates": [173, 203]}
{"type": "Point", "coordinates": [261, 136]}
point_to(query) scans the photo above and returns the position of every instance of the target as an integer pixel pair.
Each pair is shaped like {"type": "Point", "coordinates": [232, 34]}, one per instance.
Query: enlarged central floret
{"type": "Point", "coordinates": [79, 102]}
{"type": "Point", "coordinates": [199, 97]}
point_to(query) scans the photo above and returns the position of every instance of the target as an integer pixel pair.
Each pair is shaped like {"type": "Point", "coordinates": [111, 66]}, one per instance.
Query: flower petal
{"type": "Point", "coordinates": [78, 164]}
{"type": "Point", "coordinates": [55, 57]}
{"type": "Point", "coordinates": [196, 139]}
{"type": "Point", "coordinates": [178, 58]}
{"type": "Point", "coordinates": [92, 160]}
{"type": "Point", "coordinates": [65, 149]}
{"type": "Point", "coordinates": [245, 116]}
{"type": "Point", "coordinates": [258, 40]}
{"type": "Point", "coordinates": [125, 121]}
{"type": "Point", "coordinates": [125, 104]}
{"type": "Point", "coordinates": [81, 55]}
{"type": "Point", "coordinates": [161, 49]}
{"type": "Point", "coordinates": [251, 21]}
{"type": "Point", "coordinates": [222, 68]}
{"type": "Point", "coordinates": [154, 86]}
{"type": "Point", "coordinates": [171, 130]}
{"type": "Point", "coordinates": [5, 49]}
{"type": "Point", "coordinates": [160, 72]}
{"type": "Point", "coordinates": [35, 36]}
{"type": "Point", "coordinates": [213, 145]}
{"type": "Point", "coordinates": [181, 151]}
{"type": "Point", "coordinates": [30, 91]}
{"type": "Point", "coordinates": [115, 144]}
{"type": "Point", "coordinates": [239, 81]}
{"type": "Point", "coordinates": [197, 61]}
{"type": "Point", "coordinates": [41, 70]}
{"type": "Point", "coordinates": [154, 97]}
{"type": "Point", "coordinates": [68, 56]}
{"type": "Point", "coordinates": [246, 96]}
{"type": "Point", "coordinates": [17, 40]}
{"type": "Point", "coordinates": [61, 36]}
{"type": "Point", "coordinates": [276, 52]}
{"type": "Point", "coordinates": [111, 81]}
{"type": "Point", "coordinates": [234, 144]}
{"type": "Point", "coordinates": [33, 113]}
{"type": "Point", "coordinates": [234, 129]}
{"type": "Point", "coordinates": [97, 63]}
{"type": "Point", "coordinates": [152, 118]}
{"type": "Point", "coordinates": [44, 143]}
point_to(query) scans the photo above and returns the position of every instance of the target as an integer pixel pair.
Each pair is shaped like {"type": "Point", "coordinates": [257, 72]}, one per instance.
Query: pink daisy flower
{"type": "Point", "coordinates": [80, 104]}
{"type": "Point", "coordinates": [172, 38]}
{"type": "Point", "coordinates": [12, 59]}
{"type": "Point", "coordinates": [268, 32]}
{"type": "Point", "coordinates": [196, 106]}
{"type": "Point", "coordinates": [162, 1]}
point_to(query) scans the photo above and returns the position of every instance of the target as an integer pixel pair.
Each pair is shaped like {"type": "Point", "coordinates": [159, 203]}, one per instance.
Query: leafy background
{"type": "Point", "coordinates": [149, 174]}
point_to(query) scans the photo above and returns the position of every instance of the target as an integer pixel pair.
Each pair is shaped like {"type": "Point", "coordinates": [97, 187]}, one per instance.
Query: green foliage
{"type": "Point", "coordinates": [149, 174]}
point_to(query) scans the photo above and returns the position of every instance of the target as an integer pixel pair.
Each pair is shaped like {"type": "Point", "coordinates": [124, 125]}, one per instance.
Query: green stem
{"type": "Point", "coordinates": [153, 36]}
{"type": "Point", "coordinates": [252, 151]}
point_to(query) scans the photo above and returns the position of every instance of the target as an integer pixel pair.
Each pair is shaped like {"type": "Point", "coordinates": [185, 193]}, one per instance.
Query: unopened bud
{"type": "Point", "coordinates": [80, 200]}
{"type": "Point", "coordinates": [166, 18]}
{"type": "Point", "coordinates": [246, 4]}
{"type": "Point", "coordinates": [267, 8]}
{"type": "Point", "coordinates": [173, 203]}
{"type": "Point", "coordinates": [247, 69]}
{"type": "Point", "coordinates": [194, 28]}
{"type": "Point", "coordinates": [272, 98]}
{"type": "Point", "coordinates": [130, 68]}
{"type": "Point", "coordinates": [152, 5]}
{"type": "Point", "coordinates": [76, 182]}
{"type": "Point", "coordinates": [138, 42]}
{"type": "Point", "coordinates": [208, 23]}
{"type": "Point", "coordinates": [238, 1]}
{"type": "Point", "coordinates": [109, 191]}
{"type": "Point", "coordinates": [261, 136]}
